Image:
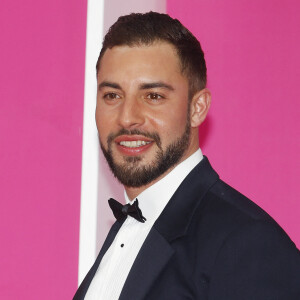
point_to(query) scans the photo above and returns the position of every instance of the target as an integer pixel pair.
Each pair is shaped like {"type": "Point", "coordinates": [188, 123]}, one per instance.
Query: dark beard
{"type": "Point", "coordinates": [131, 174]}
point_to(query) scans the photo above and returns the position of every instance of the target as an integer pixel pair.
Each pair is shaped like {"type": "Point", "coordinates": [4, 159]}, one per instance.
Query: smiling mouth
{"type": "Point", "coordinates": [134, 144]}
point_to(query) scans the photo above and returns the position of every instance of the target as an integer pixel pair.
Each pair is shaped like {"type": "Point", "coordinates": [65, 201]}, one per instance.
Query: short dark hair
{"type": "Point", "coordinates": [145, 29]}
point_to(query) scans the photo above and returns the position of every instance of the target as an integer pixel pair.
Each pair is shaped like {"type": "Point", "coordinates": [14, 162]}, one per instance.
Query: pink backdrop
{"type": "Point", "coordinates": [252, 50]}
{"type": "Point", "coordinates": [252, 133]}
{"type": "Point", "coordinates": [42, 75]}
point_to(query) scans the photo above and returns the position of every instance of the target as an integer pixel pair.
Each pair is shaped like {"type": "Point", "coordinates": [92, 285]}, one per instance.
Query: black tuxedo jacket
{"type": "Point", "coordinates": [210, 242]}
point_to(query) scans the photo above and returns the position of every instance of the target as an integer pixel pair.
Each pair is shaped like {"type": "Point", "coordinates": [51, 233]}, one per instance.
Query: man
{"type": "Point", "coordinates": [184, 234]}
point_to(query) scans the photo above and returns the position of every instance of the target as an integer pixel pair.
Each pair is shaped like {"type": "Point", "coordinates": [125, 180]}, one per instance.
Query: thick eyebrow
{"type": "Point", "coordinates": [143, 86]}
{"type": "Point", "coordinates": [108, 84]}
{"type": "Point", "coordinates": [159, 84]}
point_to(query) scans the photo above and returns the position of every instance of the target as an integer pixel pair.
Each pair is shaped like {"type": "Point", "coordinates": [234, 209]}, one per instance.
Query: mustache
{"type": "Point", "coordinates": [151, 135]}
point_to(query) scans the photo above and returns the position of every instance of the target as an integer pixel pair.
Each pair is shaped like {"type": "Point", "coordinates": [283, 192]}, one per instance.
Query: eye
{"type": "Point", "coordinates": [111, 96]}
{"type": "Point", "coordinates": [154, 97]}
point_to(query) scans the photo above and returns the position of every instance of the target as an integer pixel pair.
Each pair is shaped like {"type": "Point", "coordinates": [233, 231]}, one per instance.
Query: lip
{"type": "Point", "coordinates": [133, 151]}
{"type": "Point", "coordinates": [130, 138]}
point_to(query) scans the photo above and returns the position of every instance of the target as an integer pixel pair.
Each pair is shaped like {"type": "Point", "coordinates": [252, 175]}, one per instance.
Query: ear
{"type": "Point", "coordinates": [199, 107]}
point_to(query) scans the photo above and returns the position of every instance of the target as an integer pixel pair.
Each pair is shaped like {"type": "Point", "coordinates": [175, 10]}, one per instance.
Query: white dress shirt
{"type": "Point", "coordinates": [114, 268]}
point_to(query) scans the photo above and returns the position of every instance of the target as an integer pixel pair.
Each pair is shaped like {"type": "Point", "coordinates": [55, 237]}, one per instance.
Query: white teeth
{"type": "Point", "coordinates": [133, 144]}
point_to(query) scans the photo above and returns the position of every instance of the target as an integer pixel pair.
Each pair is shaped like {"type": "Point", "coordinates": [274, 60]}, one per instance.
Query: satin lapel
{"type": "Point", "coordinates": [175, 219]}
{"type": "Point", "coordinates": [146, 269]}
{"type": "Point", "coordinates": [81, 292]}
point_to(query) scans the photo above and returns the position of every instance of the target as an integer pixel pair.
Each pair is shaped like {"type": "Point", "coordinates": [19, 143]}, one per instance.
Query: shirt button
{"type": "Point", "coordinates": [122, 245]}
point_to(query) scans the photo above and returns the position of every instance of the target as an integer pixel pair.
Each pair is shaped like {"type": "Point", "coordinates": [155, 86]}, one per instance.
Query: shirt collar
{"type": "Point", "coordinates": [153, 200]}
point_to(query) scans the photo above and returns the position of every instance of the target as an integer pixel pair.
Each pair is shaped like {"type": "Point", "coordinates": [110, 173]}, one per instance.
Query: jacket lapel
{"type": "Point", "coordinates": [175, 219]}
{"type": "Point", "coordinates": [81, 292]}
{"type": "Point", "coordinates": [173, 223]}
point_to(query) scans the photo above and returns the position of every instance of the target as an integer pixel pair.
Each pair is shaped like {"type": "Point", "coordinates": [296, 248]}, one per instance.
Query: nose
{"type": "Point", "coordinates": [130, 114]}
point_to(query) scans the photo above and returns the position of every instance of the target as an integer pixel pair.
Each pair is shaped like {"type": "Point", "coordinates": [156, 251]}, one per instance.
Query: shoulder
{"type": "Point", "coordinates": [219, 212]}
{"type": "Point", "coordinates": [250, 255]}
{"type": "Point", "coordinates": [230, 209]}
{"type": "Point", "coordinates": [230, 225]}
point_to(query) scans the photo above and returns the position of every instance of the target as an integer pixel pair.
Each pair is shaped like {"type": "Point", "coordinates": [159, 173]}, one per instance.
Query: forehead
{"type": "Point", "coordinates": [156, 60]}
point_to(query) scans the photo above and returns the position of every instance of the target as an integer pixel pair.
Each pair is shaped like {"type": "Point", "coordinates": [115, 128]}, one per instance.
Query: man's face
{"type": "Point", "coordinates": [142, 112]}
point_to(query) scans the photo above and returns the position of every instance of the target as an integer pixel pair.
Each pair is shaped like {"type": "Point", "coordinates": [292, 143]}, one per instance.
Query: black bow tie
{"type": "Point", "coordinates": [122, 211]}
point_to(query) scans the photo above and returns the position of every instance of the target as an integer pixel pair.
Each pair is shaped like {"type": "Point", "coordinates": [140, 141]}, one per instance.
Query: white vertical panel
{"type": "Point", "coordinates": [116, 8]}
{"type": "Point", "coordinates": [90, 148]}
